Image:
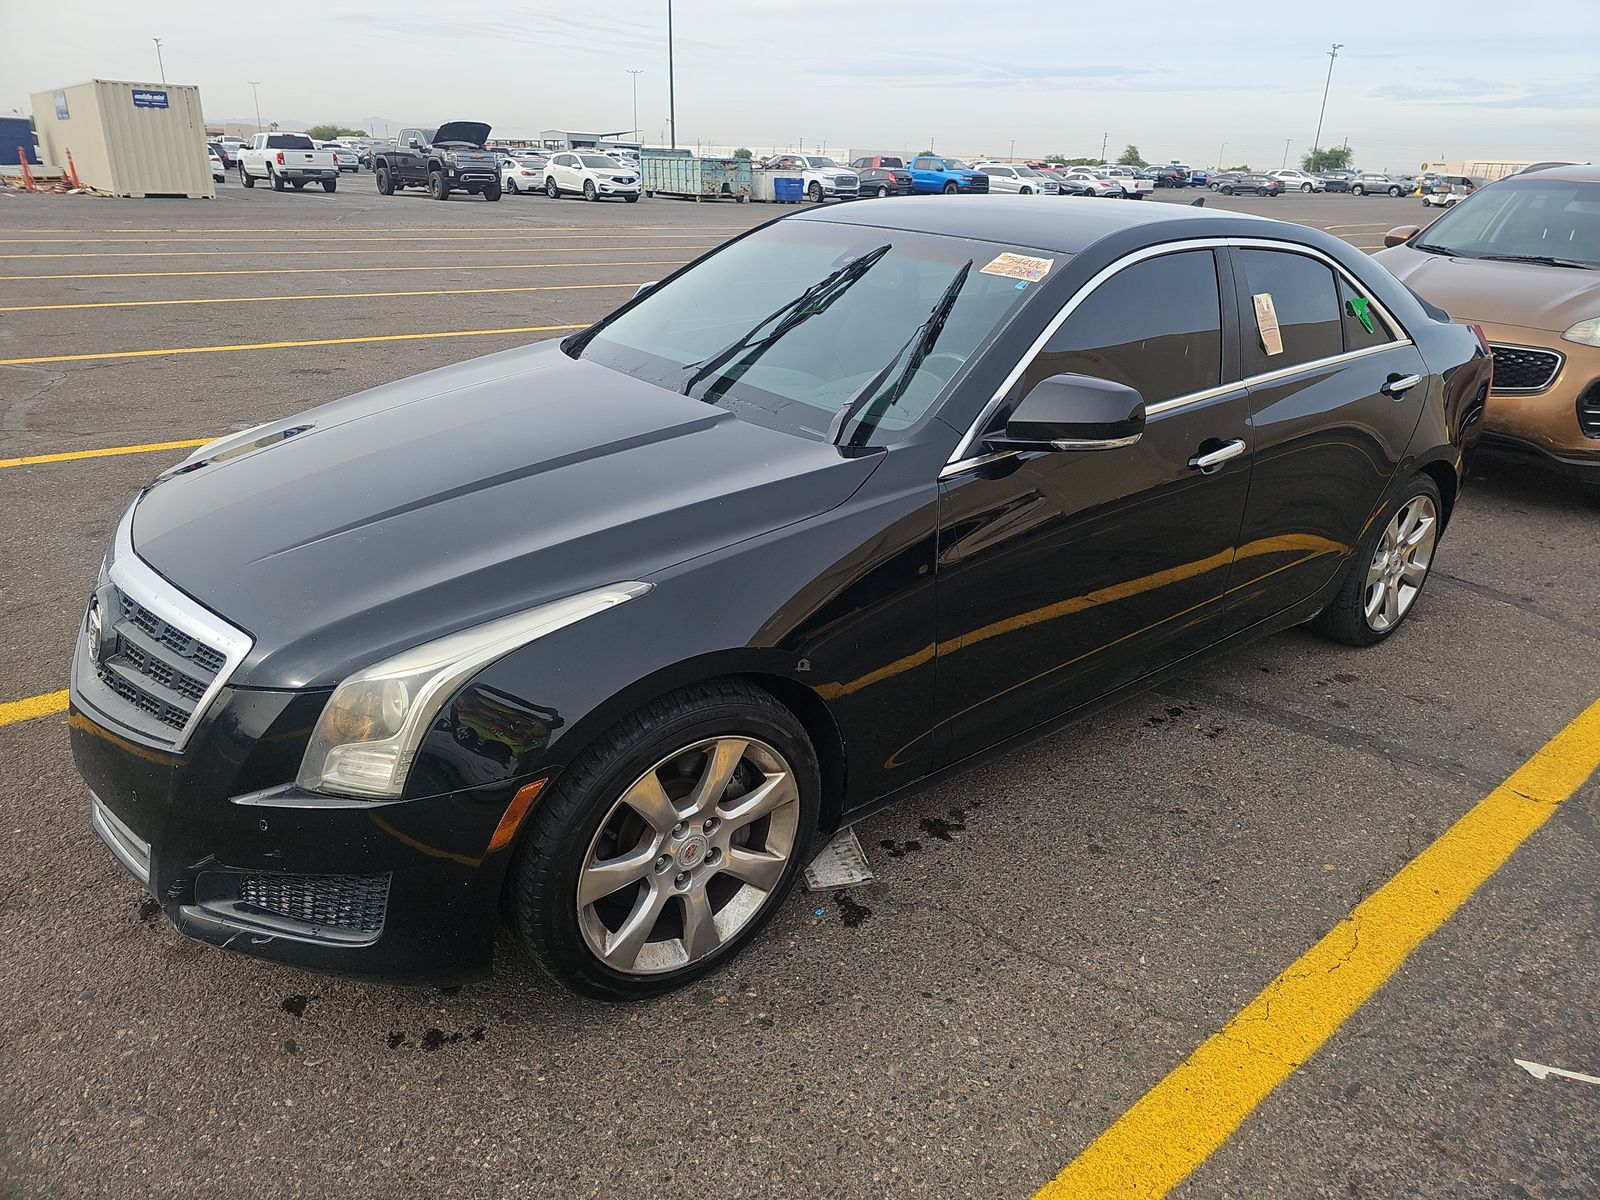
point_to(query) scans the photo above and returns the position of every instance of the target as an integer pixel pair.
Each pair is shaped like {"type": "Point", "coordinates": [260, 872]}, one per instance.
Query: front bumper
{"type": "Point", "coordinates": [608, 188]}
{"type": "Point", "coordinates": [1548, 419]}
{"type": "Point", "coordinates": [401, 892]}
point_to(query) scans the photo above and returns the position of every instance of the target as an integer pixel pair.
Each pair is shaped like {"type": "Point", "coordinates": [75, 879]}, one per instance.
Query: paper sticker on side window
{"type": "Point", "coordinates": [1018, 266]}
{"type": "Point", "coordinates": [1267, 323]}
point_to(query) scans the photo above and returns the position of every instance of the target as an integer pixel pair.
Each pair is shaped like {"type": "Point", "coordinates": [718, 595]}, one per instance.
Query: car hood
{"type": "Point", "coordinates": [1498, 293]}
{"type": "Point", "coordinates": [374, 523]}
{"type": "Point", "coordinates": [475, 132]}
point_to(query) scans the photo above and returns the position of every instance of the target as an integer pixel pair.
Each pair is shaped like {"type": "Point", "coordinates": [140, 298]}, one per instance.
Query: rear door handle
{"type": "Point", "coordinates": [1399, 385]}
{"type": "Point", "coordinates": [1211, 461]}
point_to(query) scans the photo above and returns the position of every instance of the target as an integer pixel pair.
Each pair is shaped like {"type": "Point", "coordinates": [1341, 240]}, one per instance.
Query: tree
{"type": "Point", "coordinates": [326, 133]}
{"type": "Point", "coordinates": [743, 152]}
{"type": "Point", "coordinates": [928, 153]}
{"type": "Point", "coordinates": [1240, 167]}
{"type": "Point", "coordinates": [1336, 158]}
{"type": "Point", "coordinates": [1131, 157]}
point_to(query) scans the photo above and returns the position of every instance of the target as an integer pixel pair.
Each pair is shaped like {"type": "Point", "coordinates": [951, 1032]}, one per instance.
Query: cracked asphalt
{"type": "Point", "coordinates": [1045, 939]}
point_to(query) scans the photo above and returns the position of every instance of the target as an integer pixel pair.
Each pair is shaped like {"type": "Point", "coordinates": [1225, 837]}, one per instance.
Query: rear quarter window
{"type": "Point", "coordinates": [1305, 301]}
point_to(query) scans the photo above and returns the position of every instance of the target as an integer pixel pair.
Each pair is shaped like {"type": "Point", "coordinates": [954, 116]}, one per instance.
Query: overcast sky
{"type": "Point", "coordinates": [1414, 81]}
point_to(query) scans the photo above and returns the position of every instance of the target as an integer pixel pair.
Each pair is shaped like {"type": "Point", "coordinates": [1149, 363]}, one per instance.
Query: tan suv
{"type": "Point", "coordinates": [1521, 259]}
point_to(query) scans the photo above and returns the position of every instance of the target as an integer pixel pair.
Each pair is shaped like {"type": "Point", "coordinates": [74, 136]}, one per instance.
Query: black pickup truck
{"type": "Point", "coordinates": [444, 160]}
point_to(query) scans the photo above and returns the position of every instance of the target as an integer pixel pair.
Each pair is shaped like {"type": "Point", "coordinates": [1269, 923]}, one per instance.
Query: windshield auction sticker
{"type": "Point", "coordinates": [1267, 323]}
{"type": "Point", "coordinates": [1019, 266]}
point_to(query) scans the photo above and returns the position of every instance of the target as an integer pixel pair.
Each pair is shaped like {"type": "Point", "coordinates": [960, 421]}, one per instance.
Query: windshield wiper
{"type": "Point", "coordinates": [1544, 260]}
{"type": "Point", "coordinates": [807, 304]}
{"type": "Point", "coordinates": [1430, 248]}
{"type": "Point", "coordinates": [920, 344]}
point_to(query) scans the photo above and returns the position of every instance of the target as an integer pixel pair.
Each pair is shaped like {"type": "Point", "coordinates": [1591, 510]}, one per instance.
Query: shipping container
{"type": "Point", "coordinates": [128, 139]}
{"type": "Point", "coordinates": [680, 173]}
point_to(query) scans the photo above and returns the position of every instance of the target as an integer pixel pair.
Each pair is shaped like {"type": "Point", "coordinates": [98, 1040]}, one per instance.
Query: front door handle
{"type": "Point", "coordinates": [1398, 385]}
{"type": "Point", "coordinates": [1211, 462]}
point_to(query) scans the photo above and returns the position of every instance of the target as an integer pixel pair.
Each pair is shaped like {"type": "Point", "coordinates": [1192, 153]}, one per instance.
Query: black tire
{"type": "Point", "coordinates": [1345, 619]}
{"type": "Point", "coordinates": [330, 185]}
{"type": "Point", "coordinates": [551, 188]}
{"type": "Point", "coordinates": [245, 177]}
{"type": "Point", "coordinates": [1395, 192]}
{"type": "Point", "coordinates": [814, 192]}
{"type": "Point", "coordinates": [276, 180]}
{"type": "Point", "coordinates": [881, 192]}
{"type": "Point", "coordinates": [634, 199]}
{"type": "Point", "coordinates": [1226, 189]}
{"type": "Point", "coordinates": [1357, 190]}
{"type": "Point", "coordinates": [385, 182]}
{"type": "Point", "coordinates": [554, 846]}
{"type": "Point", "coordinates": [491, 191]}
{"type": "Point", "coordinates": [438, 185]}
{"type": "Point", "coordinates": [511, 186]}
{"type": "Point", "coordinates": [590, 193]}
{"type": "Point", "coordinates": [950, 189]}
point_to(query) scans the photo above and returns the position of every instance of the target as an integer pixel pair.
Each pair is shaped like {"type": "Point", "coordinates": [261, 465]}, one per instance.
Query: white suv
{"type": "Point", "coordinates": [591, 174]}
{"type": "Point", "coordinates": [1299, 179]}
{"type": "Point", "coordinates": [1019, 181]}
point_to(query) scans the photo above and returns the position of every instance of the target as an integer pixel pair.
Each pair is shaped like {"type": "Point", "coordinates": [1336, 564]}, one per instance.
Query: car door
{"type": "Point", "coordinates": [1333, 405]}
{"type": "Point", "coordinates": [1065, 574]}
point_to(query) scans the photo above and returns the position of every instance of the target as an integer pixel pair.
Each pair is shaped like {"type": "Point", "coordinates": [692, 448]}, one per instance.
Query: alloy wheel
{"type": "Point", "coordinates": [1400, 563]}
{"type": "Point", "coordinates": [688, 855]}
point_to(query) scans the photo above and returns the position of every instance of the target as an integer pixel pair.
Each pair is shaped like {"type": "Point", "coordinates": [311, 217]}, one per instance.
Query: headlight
{"type": "Point", "coordinates": [1585, 333]}
{"type": "Point", "coordinates": [368, 735]}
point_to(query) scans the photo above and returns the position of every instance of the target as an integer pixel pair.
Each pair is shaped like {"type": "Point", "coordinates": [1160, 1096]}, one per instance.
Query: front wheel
{"type": "Point", "coordinates": [1395, 192]}
{"type": "Point", "coordinates": [1357, 190]}
{"type": "Point", "coordinates": [491, 191]}
{"type": "Point", "coordinates": [385, 182]}
{"type": "Point", "coordinates": [668, 843]}
{"type": "Point", "coordinates": [438, 185]}
{"type": "Point", "coordinates": [1226, 191]}
{"type": "Point", "coordinates": [1388, 570]}
{"type": "Point", "coordinates": [245, 177]}
{"type": "Point", "coordinates": [589, 192]}
{"type": "Point", "coordinates": [814, 192]}
{"type": "Point", "coordinates": [950, 189]}
{"type": "Point", "coordinates": [1307, 188]}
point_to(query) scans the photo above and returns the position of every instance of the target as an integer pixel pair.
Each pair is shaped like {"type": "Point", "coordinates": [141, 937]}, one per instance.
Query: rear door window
{"type": "Point", "coordinates": [1358, 313]}
{"type": "Point", "coordinates": [1306, 304]}
{"type": "Point", "coordinates": [1156, 327]}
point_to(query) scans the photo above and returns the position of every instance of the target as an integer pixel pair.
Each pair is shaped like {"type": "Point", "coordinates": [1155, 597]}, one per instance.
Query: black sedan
{"type": "Point", "coordinates": [1337, 181]}
{"type": "Point", "coordinates": [606, 633]}
{"type": "Point", "coordinates": [885, 181]}
{"type": "Point", "coordinates": [1246, 184]}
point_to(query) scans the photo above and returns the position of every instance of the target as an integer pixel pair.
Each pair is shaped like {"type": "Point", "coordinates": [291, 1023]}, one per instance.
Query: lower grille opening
{"type": "Point", "coordinates": [1589, 410]}
{"type": "Point", "coordinates": [356, 903]}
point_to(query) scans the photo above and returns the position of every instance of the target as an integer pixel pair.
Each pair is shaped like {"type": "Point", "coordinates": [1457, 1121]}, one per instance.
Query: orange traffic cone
{"type": "Point", "coordinates": [27, 175]}
{"type": "Point", "coordinates": [72, 171]}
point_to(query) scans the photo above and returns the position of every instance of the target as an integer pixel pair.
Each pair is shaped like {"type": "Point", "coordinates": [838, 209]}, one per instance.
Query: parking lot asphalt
{"type": "Point", "coordinates": [1046, 937]}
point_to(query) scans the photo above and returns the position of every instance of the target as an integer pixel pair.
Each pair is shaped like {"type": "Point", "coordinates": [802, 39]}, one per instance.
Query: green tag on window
{"type": "Point", "coordinates": [1361, 311]}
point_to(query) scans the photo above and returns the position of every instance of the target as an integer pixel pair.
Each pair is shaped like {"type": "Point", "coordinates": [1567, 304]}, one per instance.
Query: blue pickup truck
{"type": "Point", "coordinates": [932, 174]}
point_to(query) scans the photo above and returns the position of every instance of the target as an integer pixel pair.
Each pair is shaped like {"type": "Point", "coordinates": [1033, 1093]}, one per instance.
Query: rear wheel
{"type": "Point", "coordinates": [330, 185]}
{"type": "Point", "coordinates": [589, 192]}
{"type": "Point", "coordinates": [668, 843]}
{"type": "Point", "coordinates": [881, 192]}
{"type": "Point", "coordinates": [278, 184]}
{"type": "Point", "coordinates": [385, 182]}
{"type": "Point", "coordinates": [511, 186]}
{"type": "Point", "coordinates": [1388, 571]}
{"type": "Point", "coordinates": [438, 185]}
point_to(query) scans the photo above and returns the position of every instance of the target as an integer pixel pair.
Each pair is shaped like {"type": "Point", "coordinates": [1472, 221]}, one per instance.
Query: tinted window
{"type": "Point", "coordinates": [599, 162]}
{"type": "Point", "coordinates": [1356, 334]}
{"type": "Point", "coordinates": [1306, 304]}
{"type": "Point", "coordinates": [1554, 218]}
{"type": "Point", "coordinates": [289, 141]}
{"type": "Point", "coordinates": [1156, 326]}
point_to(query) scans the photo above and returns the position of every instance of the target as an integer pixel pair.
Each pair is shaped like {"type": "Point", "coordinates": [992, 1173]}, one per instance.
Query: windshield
{"type": "Point", "coordinates": [600, 162]}
{"type": "Point", "coordinates": [823, 353]}
{"type": "Point", "coordinates": [820, 160]}
{"type": "Point", "coordinates": [1523, 217]}
{"type": "Point", "coordinates": [289, 141]}
{"type": "Point", "coordinates": [956, 164]}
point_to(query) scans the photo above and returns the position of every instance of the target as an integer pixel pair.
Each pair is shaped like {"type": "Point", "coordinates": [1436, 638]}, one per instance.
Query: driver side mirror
{"type": "Point", "coordinates": [1401, 234]}
{"type": "Point", "coordinates": [1074, 412]}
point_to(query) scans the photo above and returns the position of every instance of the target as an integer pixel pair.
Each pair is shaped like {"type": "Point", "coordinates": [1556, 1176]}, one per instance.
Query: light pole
{"type": "Point", "coordinates": [254, 84]}
{"type": "Point", "coordinates": [1013, 155]}
{"type": "Point", "coordinates": [161, 66]}
{"type": "Point", "coordinates": [635, 73]}
{"type": "Point", "coordinates": [1104, 138]}
{"type": "Point", "coordinates": [1285, 152]}
{"type": "Point", "coordinates": [1316, 142]}
{"type": "Point", "coordinates": [672, 96]}
{"type": "Point", "coordinates": [1220, 149]}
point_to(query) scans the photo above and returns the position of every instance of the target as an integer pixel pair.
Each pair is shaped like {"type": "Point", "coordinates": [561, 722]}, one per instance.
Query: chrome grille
{"type": "Point", "coordinates": [154, 665]}
{"type": "Point", "coordinates": [1524, 369]}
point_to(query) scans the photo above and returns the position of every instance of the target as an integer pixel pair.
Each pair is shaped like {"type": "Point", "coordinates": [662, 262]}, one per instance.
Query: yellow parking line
{"type": "Point", "coordinates": [388, 270]}
{"type": "Point", "coordinates": [342, 341]}
{"type": "Point", "coordinates": [30, 460]}
{"type": "Point", "coordinates": [34, 706]}
{"type": "Point", "coordinates": [1183, 1120]}
{"type": "Point", "coordinates": [320, 253]}
{"type": "Point", "coordinates": [549, 287]}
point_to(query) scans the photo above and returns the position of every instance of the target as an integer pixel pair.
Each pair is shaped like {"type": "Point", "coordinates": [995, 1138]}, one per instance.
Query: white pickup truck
{"type": "Point", "coordinates": [287, 160]}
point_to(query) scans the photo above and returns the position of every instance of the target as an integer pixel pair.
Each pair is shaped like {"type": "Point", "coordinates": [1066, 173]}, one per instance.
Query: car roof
{"type": "Point", "coordinates": [1573, 174]}
{"type": "Point", "coordinates": [1003, 219]}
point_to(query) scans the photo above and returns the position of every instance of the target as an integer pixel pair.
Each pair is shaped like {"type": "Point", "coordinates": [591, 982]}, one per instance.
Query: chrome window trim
{"type": "Point", "coordinates": [133, 576]}
{"type": "Point", "coordinates": [962, 457]}
{"type": "Point", "coordinates": [1561, 363]}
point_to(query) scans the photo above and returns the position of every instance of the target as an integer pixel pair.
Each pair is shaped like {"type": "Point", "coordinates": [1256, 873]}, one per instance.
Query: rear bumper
{"type": "Point", "coordinates": [308, 172]}
{"type": "Point", "coordinates": [399, 892]}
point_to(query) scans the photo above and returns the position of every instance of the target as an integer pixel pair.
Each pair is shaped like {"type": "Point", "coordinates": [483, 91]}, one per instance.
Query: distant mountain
{"type": "Point", "coordinates": [375, 125]}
